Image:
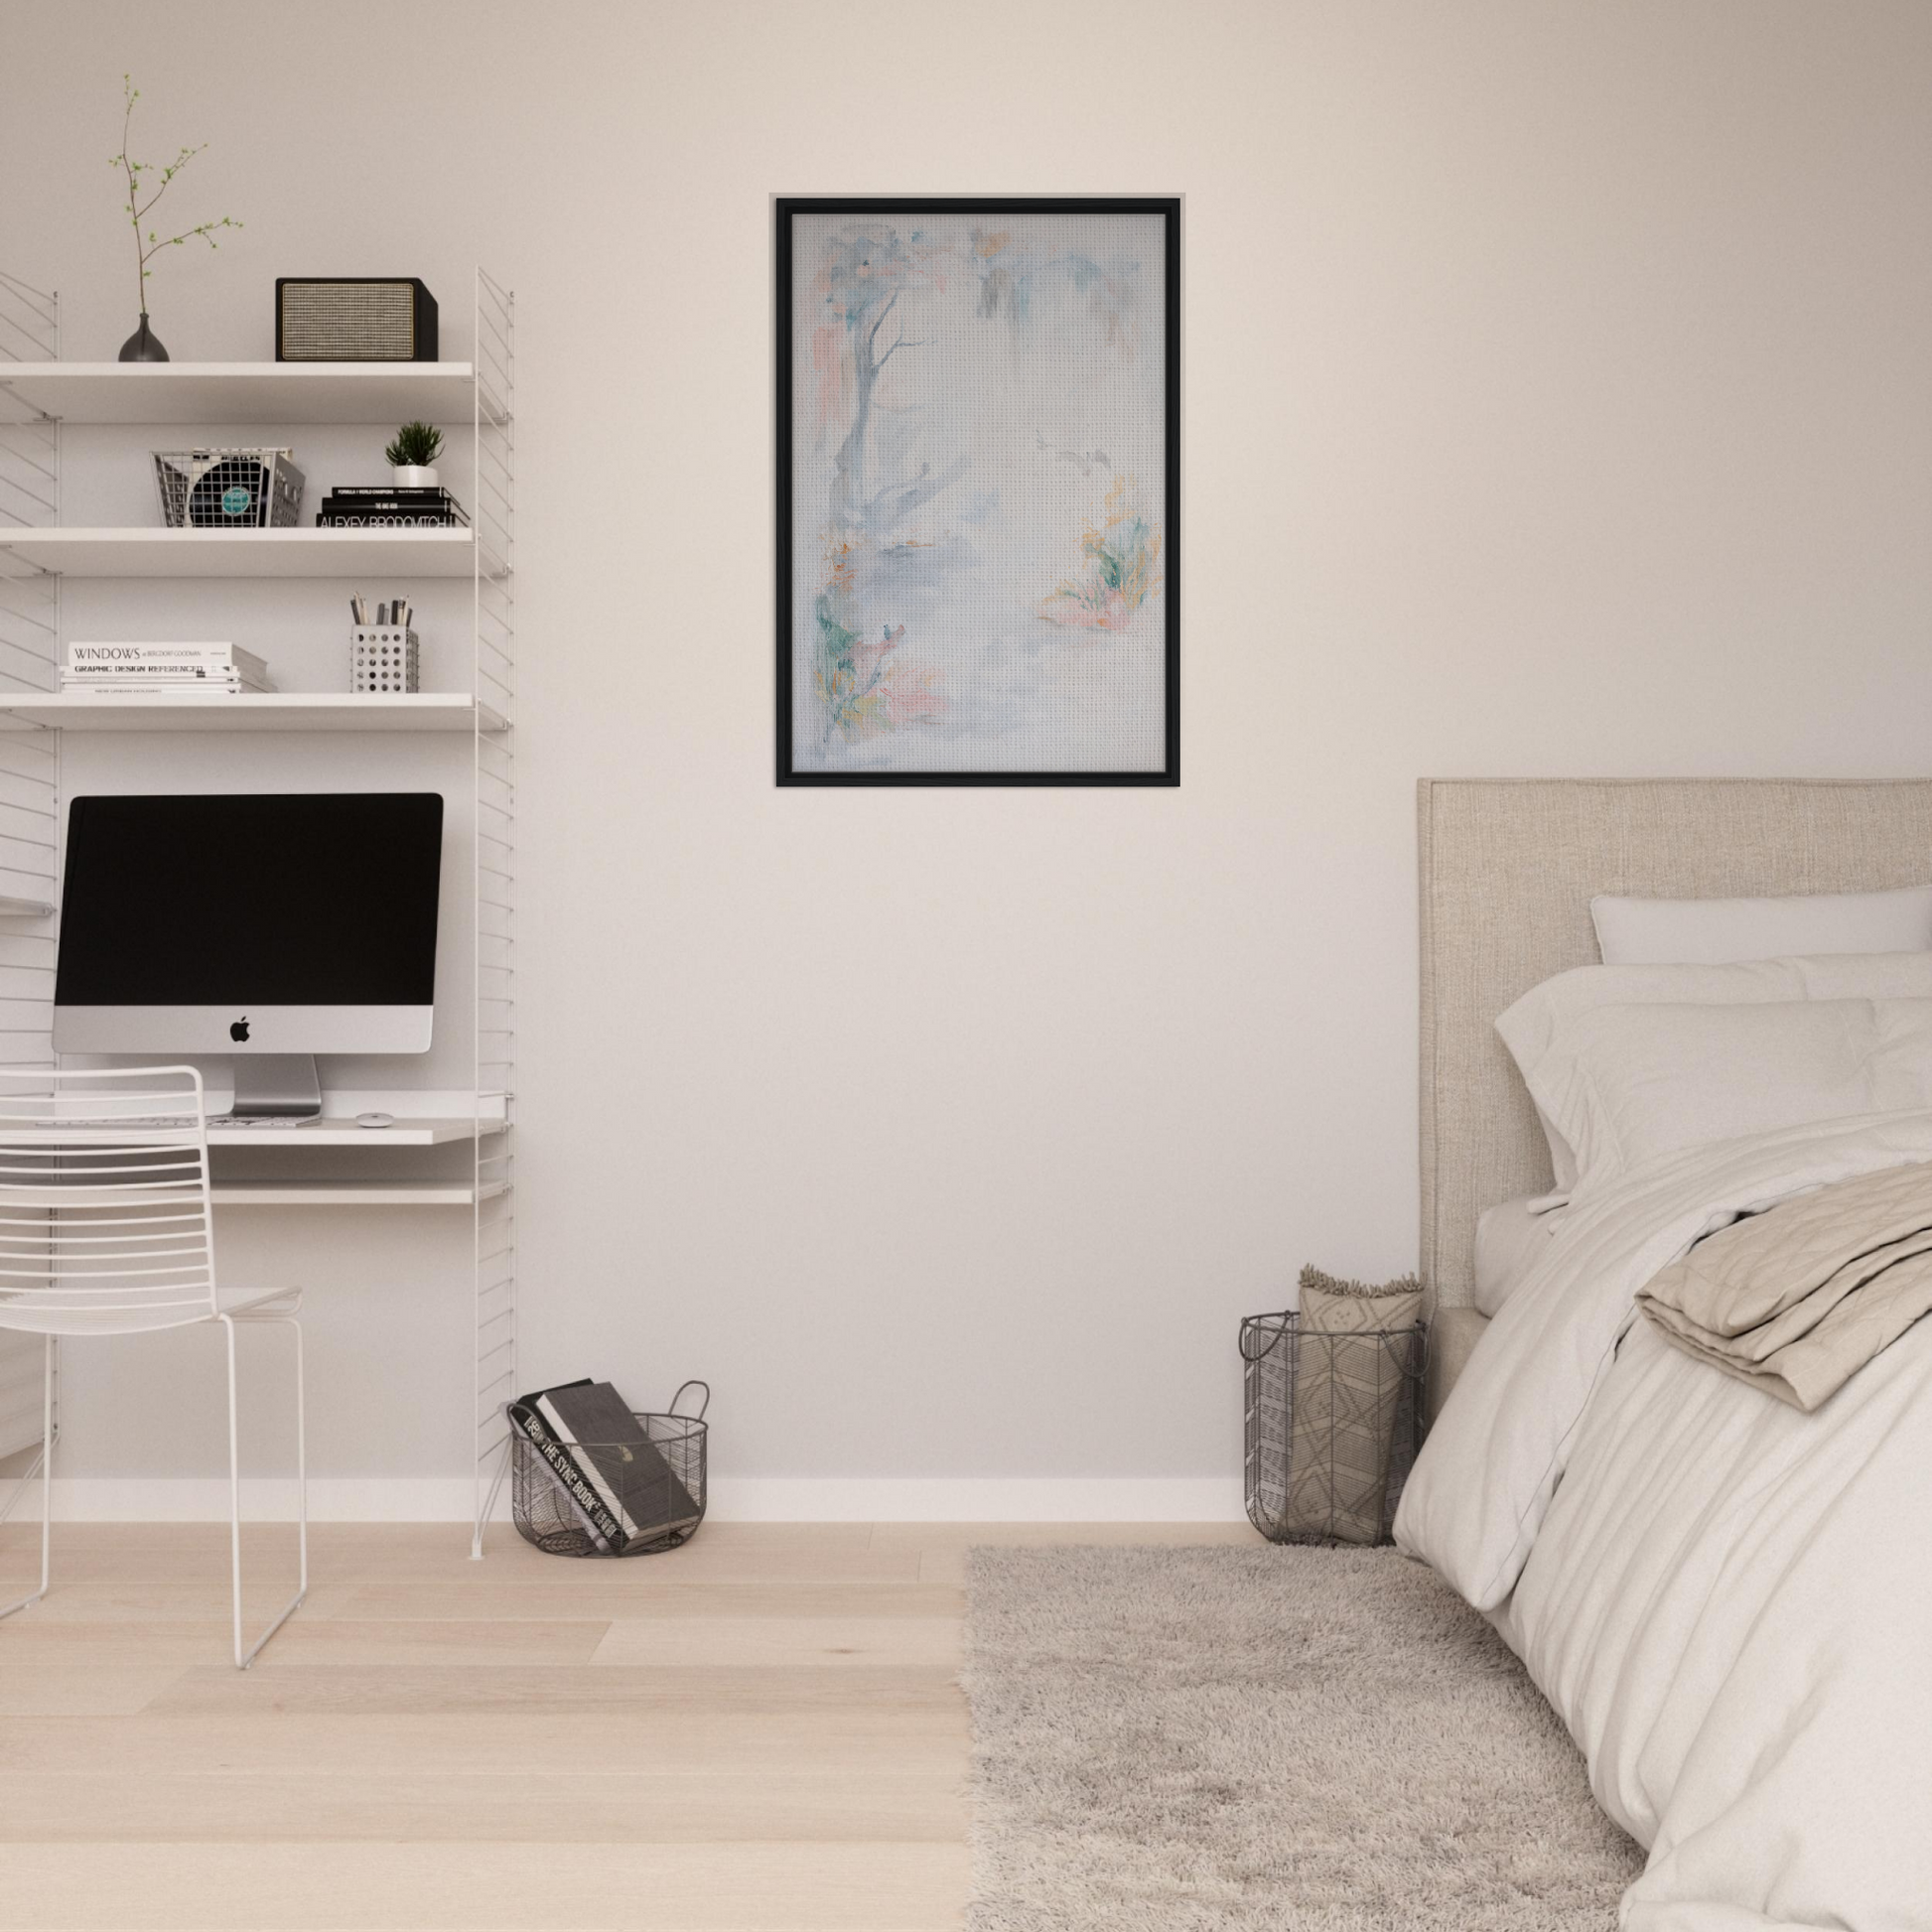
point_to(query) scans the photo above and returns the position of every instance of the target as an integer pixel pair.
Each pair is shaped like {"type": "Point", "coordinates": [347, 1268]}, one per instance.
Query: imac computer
{"type": "Point", "coordinates": [267, 927]}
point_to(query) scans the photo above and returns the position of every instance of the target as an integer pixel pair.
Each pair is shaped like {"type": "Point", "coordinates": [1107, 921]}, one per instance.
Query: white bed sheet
{"type": "Point", "coordinates": [1729, 1603]}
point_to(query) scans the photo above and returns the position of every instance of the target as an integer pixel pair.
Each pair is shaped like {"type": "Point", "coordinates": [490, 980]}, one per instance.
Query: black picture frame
{"type": "Point", "coordinates": [1168, 208]}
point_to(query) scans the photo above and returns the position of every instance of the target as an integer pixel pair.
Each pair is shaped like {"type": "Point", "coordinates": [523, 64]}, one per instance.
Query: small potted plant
{"type": "Point", "coordinates": [412, 456]}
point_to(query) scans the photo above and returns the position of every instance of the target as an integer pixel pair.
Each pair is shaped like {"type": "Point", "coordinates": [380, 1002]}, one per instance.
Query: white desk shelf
{"type": "Point", "coordinates": [44, 560]}
{"type": "Point", "coordinates": [260, 711]}
{"type": "Point", "coordinates": [382, 393]}
{"type": "Point", "coordinates": [437, 1131]}
{"type": "Point", "coordinates": [105, 552]}
{"type": "Point", "coordinates": [351, 1193]}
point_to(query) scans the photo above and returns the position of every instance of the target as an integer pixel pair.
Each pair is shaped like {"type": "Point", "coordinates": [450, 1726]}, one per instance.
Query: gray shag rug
{"type": "Point", "coordinates": [1302, 1739]}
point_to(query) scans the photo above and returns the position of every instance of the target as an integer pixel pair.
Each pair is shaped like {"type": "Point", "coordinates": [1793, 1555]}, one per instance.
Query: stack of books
{"type": "Point", "coordinates": [617, 1481]}
{"type": "Point", "coordinates": [381, 507]}
{"type": "Point", "coordinates": [202, 668]}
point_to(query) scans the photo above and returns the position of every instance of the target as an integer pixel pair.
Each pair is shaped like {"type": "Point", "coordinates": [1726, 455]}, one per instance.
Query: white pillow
{"type": "Point", "coordinates": [1530, 1027]}
{"type": "Point", "coordinates": [1714, 931]}
{"type": "Point", "coordinates": [1628, 1083]}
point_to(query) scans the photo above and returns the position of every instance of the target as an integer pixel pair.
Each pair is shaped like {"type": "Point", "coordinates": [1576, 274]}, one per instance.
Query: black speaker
{"type": "Point", "coordinates": [353, 319]}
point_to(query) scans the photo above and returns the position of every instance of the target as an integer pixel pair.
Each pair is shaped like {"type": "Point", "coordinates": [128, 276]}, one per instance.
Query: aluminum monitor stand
{"type": "Point", "coordinates": [276, 1086]}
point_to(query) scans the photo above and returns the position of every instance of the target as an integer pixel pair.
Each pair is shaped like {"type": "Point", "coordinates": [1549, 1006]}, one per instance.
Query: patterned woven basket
{"type": "Point", "coordinates": [1317, 1476]}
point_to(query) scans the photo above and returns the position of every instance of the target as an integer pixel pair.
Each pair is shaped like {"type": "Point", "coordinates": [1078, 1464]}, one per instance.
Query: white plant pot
{"type": "Point", "coordinates": [413, 475]}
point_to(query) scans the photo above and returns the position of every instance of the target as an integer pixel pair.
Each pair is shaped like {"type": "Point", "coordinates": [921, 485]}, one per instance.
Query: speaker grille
{"type": "Point", "coordinates": [348, 322]}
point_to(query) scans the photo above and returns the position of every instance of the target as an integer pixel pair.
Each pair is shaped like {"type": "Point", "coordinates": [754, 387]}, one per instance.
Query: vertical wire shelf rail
{"type": "Point", "coordinates": [30, 783]}
{"type": "Point", "coordinates": [493, 512]}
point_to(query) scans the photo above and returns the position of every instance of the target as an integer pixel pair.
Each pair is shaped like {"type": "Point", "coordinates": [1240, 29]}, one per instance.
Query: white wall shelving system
{"type": "Point", "coordinates": [39, 393]}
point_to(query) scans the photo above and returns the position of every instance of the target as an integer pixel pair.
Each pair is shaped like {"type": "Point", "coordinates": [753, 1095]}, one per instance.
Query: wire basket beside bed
{"type": "Point", "coordinates": [1332, 1426]}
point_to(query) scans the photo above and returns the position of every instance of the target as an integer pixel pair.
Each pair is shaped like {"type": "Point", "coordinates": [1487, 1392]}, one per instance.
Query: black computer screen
{"type": "Point", "coordinates": [252, 898]}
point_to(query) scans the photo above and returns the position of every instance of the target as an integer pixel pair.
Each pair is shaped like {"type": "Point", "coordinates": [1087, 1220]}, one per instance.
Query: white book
{"type": "Point", "coordinates": [158, 672]}
{"type": "Point", "coordinates": [136, 656]}
{"type": "Point", "coordinates": [161, 667]}
{"type": "Point", "coordinates": [132, 650]}
{"type": "Point", "coordinates": [98, 687]}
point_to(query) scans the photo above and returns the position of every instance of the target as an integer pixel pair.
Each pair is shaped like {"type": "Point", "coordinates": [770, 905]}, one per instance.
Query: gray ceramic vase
{"type": "Point", "coordinates": [144, 345]}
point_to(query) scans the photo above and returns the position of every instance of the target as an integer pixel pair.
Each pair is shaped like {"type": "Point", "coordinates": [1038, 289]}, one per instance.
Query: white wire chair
{"type": "Point", "coordinates": [106, 1229]}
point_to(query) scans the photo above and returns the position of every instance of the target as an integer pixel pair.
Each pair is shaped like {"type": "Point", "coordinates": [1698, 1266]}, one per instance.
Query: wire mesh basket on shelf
{"type": "Point", "coordinates": [1333, 1423]}
{"type": "Point", "coordinates": [228, 489]}
{"type": "Point", "coordinates": [655, 1498]}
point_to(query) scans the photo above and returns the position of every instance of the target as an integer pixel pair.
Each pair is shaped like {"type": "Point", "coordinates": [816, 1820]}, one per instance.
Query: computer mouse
{"type": "Point", "coordinates": [375, 1120]}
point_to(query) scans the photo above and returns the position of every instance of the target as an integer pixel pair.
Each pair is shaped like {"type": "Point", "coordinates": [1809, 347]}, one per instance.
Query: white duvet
{"type": "Point", "coordinates": [1729, 1602]}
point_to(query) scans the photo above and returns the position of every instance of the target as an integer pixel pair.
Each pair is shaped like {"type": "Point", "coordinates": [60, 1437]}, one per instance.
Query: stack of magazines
{"type": "Point", "coordinates": [202, 668]}
{"type": "Point", "coordinates": [384, 506]}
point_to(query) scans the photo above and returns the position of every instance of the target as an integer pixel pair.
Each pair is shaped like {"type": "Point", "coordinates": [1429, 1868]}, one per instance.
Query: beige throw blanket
{"type": "Point", "coordinates": [1798, 1299]}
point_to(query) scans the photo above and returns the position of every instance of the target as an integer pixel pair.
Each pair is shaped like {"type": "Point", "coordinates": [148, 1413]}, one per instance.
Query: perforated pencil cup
{"type": "Point", "coordinates": [384, 658]}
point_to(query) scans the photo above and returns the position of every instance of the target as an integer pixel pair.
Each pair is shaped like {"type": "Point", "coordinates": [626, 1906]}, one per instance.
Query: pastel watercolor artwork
{"type": "Point", "coordinates": [977, 497]}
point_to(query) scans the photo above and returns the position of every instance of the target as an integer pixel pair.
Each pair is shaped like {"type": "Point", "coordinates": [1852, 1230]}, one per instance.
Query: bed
{"type": "Point", "coordinates": [1727, 1602]}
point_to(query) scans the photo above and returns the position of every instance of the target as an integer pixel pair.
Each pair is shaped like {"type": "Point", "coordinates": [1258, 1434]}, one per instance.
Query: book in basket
{"type": "Point", "coordinates": [616, 1479]}
{"type": "Point", "coordinates": [572, 1483]}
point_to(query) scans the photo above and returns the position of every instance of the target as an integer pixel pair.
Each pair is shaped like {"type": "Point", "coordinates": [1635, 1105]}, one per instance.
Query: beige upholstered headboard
{"type": "Point", "coordinates": [1507, 870]}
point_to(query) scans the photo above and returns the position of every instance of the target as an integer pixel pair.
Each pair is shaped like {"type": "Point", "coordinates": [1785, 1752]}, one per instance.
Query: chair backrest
{"type": "Point", "coordinates": [104, 1210]}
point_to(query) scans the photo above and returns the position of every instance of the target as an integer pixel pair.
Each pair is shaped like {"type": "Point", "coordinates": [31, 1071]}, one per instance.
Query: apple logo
{"type": "Point", "coordinates": [239, 1030]}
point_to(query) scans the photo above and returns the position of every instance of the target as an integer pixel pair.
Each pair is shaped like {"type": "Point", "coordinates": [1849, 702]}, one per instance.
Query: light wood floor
{"type": "Point", "coordinates": [758, 1732]}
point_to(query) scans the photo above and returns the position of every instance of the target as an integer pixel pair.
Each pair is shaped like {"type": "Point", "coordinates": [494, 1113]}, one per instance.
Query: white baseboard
{"type": "Point", "coordinates": [977, 1499]}
{"type": "Point", "coordinates": [205, 1499]}
{"type": "Point", "coordinates": [734, 1500]}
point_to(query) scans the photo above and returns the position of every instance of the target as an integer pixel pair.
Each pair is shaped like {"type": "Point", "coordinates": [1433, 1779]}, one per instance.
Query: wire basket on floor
{"type": "Point", "coordinates": [1333, 1423]}
{"type": "Point", "coordinates": [661, 1513]}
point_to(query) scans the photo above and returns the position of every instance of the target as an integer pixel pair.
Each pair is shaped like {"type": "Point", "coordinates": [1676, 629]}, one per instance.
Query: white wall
{"type": "Point", "coordinates": [1558, 400]}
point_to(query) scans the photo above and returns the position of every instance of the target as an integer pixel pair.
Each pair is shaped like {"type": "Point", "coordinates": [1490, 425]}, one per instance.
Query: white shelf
{"type": "Point", "coordinates": [391, 554]}
{"type": "Point", "coordinates": [384, 393]}
{"type": "Point", "coordinates": [347, 1193]}
{"type": "Point", "coordinates": [255, 402]}
{"type": "Point", "coordinates": [344, 1132]}
{"type": "Point", "coordinates": [259, 711]}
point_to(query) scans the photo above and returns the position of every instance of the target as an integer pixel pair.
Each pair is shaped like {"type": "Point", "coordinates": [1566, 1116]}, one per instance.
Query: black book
{"type": "Point", "coordinates": [373, 517]}
{"type": "Point", "coordinates": [633, 1483]}
{"type": "Point", "coordinates": [527, 1418]}
{"type": "Point", "coordinates": [358, 500]}
{"type": "Point", "coordinates": [390, 506]}
{"type": "Point", "coordinates": [377, 506]}
{"type": "Point", "coordinates": [415, 492]}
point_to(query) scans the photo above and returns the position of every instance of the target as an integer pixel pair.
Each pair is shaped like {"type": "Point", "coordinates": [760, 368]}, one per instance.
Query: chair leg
{"type": "Point", "coordinates": [242, 1659]}
{"type": "Point", "coordinates": [47, 1482]}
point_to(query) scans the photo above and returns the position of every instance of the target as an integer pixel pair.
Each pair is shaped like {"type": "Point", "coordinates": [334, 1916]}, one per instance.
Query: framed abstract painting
{"type": "Point", "coordinates": [979, 491]}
